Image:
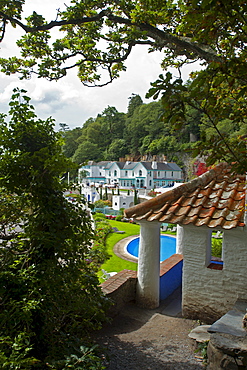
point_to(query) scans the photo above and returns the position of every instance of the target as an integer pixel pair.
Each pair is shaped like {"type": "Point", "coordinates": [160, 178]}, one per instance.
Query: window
{"type": "Point", "coordinates": [126, 173]}
{"type": "Point", "coordinates": [172, 173]}
{"type": "Point", "coordinates": [109, 173]}
{"type": "Point", "coordinates": [215, 250]}
{"type": "Point", "coordinates": [140, 173]}
{"type": "Point", "coordinates": [150, 182]}
{"type": "Point", "coordinates": [158, 173]}
{"type": "Point", "coordinates": [133, 174]}
{"type": "Point", "coordinates": [115, 173]}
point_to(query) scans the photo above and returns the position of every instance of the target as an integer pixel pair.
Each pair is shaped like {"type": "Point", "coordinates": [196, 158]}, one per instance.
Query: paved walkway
{"type": "Point", "coordinates": [141, 339]}
{"type": "Point", "coordinates": [120, 249]}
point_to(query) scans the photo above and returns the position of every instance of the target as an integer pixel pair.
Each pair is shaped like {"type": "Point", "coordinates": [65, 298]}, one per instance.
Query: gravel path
{"type": "Point", "coordinates": [139, 339]}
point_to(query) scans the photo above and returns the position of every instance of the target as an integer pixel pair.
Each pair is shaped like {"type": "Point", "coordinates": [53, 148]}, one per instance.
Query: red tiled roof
{"type": "Point", "coordinates": [216, 198]}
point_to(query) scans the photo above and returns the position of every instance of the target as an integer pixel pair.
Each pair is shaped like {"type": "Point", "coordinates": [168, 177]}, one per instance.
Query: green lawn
{"type": "Point", "coordinates": [115, 263]}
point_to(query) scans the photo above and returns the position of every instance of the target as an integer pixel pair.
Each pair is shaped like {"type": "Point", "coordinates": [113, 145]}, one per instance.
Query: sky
{"type": "Point", "coordinates": [67, 100]}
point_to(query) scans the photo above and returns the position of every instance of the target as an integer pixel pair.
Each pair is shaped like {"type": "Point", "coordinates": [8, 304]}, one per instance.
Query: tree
{"type": "Point", "coordinates": [49, 293]}
{"type": "Point", "coordinates": [220, 101]}
{"type": "Point", "coordinates": [145, 122]}
{"type": "Point", "coordinates": [70, 141]}
{"type": "Point", "coordinates": [117, 149]}
{"type": "Point", "coordinates": [87, 151]}
{"type": "Point", "coordinates": [167, 145]}
{"type": "Point", "coordinates": [112, 125]}
{"type": "Point", "coordinates": [98, 37]}
{"type": "Point", "coordinates": [181, 28]}
{"type": "Point", "coordinates": [134, 102]}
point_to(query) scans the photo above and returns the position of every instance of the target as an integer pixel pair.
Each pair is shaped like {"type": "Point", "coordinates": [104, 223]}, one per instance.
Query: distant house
{"type": "Point", "coordinates": [132, 174]}
{"type": "Point", "coordinates": [213, 201]}
{"type": "Point", "coordinates": [92, 172]}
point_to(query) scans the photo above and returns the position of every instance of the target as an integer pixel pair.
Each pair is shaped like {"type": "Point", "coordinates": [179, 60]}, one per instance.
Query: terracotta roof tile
{"type": "Point", "coordinates": [216, 198]}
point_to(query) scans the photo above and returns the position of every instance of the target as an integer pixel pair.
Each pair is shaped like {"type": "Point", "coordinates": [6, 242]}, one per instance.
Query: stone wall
{"type": "Point", "coordinates": [208, 294]}
{"type": "Point", "coordinates": [226, 351]}
{"type": "Point", "coordinates": [121, 289]}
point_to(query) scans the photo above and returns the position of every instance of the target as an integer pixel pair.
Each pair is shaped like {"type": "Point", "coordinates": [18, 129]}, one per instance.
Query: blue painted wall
{"type": "Point", "coordinates": [171, 280]}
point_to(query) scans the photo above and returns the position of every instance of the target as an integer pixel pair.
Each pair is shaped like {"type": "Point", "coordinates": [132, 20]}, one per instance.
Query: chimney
{"type": "Point", "coordinates": [154, 165]}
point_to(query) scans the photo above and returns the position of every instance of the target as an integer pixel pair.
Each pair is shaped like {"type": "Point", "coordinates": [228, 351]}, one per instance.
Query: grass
{"type": "Point", "coordinates": [116, 263]}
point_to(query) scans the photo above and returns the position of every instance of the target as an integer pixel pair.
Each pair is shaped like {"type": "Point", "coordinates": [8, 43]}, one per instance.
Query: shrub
{"type": "Point", "coordinates": [216, 247]}
{"type": "Point", "coordinates": [152, 193]}
{"type": "Point", "coordinates": [99, 217]}
{"type": "Point", "coordinates": [50, 296]}
{"type": "Point", "coordinates": [98, 253]}
{"type": "Point", "coordinates": [102, 203]}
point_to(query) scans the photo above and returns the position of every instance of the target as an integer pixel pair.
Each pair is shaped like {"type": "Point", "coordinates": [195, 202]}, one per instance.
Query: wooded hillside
{"type": "Point", "coordinates": [141, 131]}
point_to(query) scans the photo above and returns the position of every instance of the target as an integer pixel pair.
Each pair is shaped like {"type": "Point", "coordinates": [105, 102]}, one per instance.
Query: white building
{"type": "Point", "coordinates": [128, 174]}
{"type": "Point", "coordinates": [92, 172]}
{"type": "Point", "coordinates": [213, 201]}
{"type": "Point", "coordinates": [90, 193]}
{"type": "Point", "coordinates": [122, 201]}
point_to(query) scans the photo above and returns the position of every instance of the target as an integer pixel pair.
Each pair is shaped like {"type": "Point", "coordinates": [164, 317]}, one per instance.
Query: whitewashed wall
{"type": "Point", "coordinates": [207, 293]}
{"type": "Point", "coordinates": [122, 201]}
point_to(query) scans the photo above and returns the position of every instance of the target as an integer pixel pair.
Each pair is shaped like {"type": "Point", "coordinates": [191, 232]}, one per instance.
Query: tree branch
{"type": "Point", "coordinates": [52, 24]}
{"type": "Point", "coordinates": [3, 30]}
{"type": "Point", "coordinates": [165, 39]}
{"type": "Point", "coordinates": [8, 236]}
{"type": "Point", "coordinates": [162, 38]}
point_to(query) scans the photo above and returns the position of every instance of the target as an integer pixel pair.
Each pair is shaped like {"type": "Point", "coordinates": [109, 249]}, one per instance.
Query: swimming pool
{"type": "Point", "coordinates": [167, 247]}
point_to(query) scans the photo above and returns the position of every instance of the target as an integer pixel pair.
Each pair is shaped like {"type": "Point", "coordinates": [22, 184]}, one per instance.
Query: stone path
{"type": "Point", "coordinates": [139, 339]}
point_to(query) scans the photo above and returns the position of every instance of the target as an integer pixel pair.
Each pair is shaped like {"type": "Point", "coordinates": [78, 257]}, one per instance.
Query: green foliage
{"type": "Point", "coordinates": [117, 149]}
{"type": "Point", "coordinates": [202, 348]}
{"type": "Point", "coordinates": [143, 126]}
{"type": "Point", "coordinates": [173, 26]}
{"type": "Point", "coordinates": [97, 254]}
{"type": "Point", "coordinates": [152, 193]}
{"type": "Point", "coordinates": [99, 216]}
{"type": "Point", "coordinates": [70, 141]}
{"type": "Point", "coordinates": [100, 37]}
{"type": "Point", "coordinates": [216, 247]}
{"type": "Point", "coordinates": [49, 293]}
{"type": "Point", "coordinates": [14, 354]}
{"type": "Point", "coordinates": [134, 102]}
{"type": "Point", "coordinates": [218, 98]}
{"type": "Point", "coordinates": [86, 359]}
{"type": "Point", "coordinates": [136, 199]}
{"type": "Point", "coordinates": [102, 203]}
{"type": "Point", "coordinates": [115, 263]}
{"type": "Point", "coordinates": [87, 150]}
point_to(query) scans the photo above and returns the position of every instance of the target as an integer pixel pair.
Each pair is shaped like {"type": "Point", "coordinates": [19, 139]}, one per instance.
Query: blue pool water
{"type": "Point", "coordinates": [167, 247]}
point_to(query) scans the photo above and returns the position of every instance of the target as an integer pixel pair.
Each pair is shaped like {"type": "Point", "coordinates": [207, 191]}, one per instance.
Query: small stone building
{"type": "Point", "coordinates": [215, 201]}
